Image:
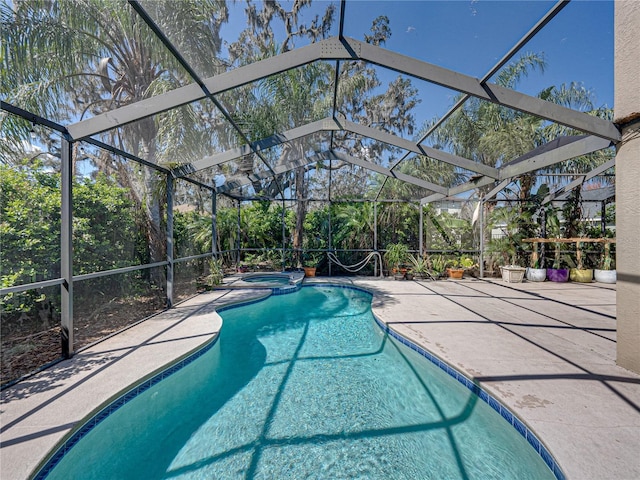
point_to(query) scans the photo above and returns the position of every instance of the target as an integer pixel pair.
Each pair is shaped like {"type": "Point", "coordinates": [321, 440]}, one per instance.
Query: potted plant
{"type": "Point", "coordinates": [419, 267]}
{"type": "Point", "coordinates": [534, 272]}
{"type": "Point", "coordinates": [216, 273]}
{"type": "Point", "coordinates": [580, 273]}
{"type": "Point", "coordinates": [438, 265]}
{"type": "Point", "coordinates": [311, 261]}
{"type": "Point", "coordinates": [458, 266]}
{"type": "Point", "coordinates": [557, 273]}
{"type": "Point", "coordinates": [607, 272]}
{"type": "Point", "coordinates": [512, 272]}
{"type": "Point", "coordinates": [396, 256]}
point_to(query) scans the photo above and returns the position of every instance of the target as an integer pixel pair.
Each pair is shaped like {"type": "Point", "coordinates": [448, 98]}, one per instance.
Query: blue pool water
{"type": "Point", "coordinates": [275, 279]}
{"type": "Point", "coordinates": [300, 386]}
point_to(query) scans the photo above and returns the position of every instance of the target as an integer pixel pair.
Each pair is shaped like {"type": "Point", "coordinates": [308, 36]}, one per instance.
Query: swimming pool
{"type": "Point", "coordinates": [304, 385]}
{"type": "Point", "coordinates": [279, 279]}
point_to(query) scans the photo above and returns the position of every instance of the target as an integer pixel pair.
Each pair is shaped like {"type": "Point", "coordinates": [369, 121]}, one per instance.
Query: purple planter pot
{"type": "Point", "coordinates": [558, 274]}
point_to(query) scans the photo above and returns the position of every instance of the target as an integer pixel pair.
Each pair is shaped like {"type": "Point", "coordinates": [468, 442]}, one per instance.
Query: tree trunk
{"type": "Point", "coordinates": [301, 213]}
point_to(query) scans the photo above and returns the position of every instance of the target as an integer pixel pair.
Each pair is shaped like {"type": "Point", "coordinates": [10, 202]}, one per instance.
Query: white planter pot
{"type": "Point", "coordinates": [512, 274]}
{"type": "Point", "coordinates": [536, 274]}
{"type": "Point", "coordinates": [605, 276]}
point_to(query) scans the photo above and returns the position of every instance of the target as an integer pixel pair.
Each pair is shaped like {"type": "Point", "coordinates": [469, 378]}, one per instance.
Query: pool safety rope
{"type": "Point", "coordinates": [358, 266]}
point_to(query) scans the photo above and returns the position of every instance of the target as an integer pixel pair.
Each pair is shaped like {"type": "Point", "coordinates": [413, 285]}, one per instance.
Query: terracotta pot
{"type": "Point", "coordinates": [456, 273]}
{"type": "Point", "coordinates": [309, 271]}
{"type": "Point", "coordinates": [583, 275]}
{"type": "Point", "coordinates": [558, 274]}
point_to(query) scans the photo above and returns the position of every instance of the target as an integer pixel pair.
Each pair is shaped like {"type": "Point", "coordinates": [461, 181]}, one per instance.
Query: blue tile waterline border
{"type": "Point", "coordinates": [122, 400]}
{"type": "Point", "coordinates": [132, 393]}
{"type": "Point", "coordinates": [495, 404]}
{"type": "Point", "coordinates": [140, 388]}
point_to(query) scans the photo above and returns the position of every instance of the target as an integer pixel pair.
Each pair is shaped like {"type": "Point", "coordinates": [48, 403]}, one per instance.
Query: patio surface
{"type": "Point", "coordinates": [546, 350]}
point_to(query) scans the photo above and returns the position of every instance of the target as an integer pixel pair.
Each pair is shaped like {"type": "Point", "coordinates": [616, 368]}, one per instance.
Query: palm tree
{"type": "Point", "coordinates": [466, 133]}
{"type": "Point", "coordinates": [77, 58]}
{"type": "Point", "coordinates": [353, 225]}
{"type": "Point", "coordinates": [494, 135]}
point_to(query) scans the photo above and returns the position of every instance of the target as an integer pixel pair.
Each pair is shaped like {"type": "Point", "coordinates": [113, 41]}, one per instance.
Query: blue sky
{"type": "Point", "coordinates": [470, 36]}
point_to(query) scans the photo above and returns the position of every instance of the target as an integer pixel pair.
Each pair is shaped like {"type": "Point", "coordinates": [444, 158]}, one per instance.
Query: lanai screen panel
{"type": "Point", "coordinates": [389, 101]}
{"type": "Point", "coordinates": [492, 134]}
{"type": "Point", "coordinates": [289, 151]}
{"type": "Point", "coordinates": [589, 51]}
{"type": "Point", "coordinates": [353, 182]}
{"type": "Point", "coordinates": [434, 171]}
{"type": "Point", "coordinates": [232, 34]}
{"type": "Point", "coordinates": [367, 149]}
{"type": "Point", "coordinates": [395, 189]}
{"type": "Point", "coordinates": [109, 214]}
{"type": "Point", "coordinates": [30, 215]}
{"type": "Point", "coordinates": [181, 136]}
{"type": "Point", "coordinates": [282, 101]}
{"type": "Point", "coordinates": [93, 57]}
{"type": "Point", "coordinates": [268, 188]}
{"type": "Point", "coordinates": [282, 159]}
{"type": "Point", "coordinates": [192, 206]}
{"type": "Point", "coordinates": [194, 29]}
{"type": "Point", "coordinates": [469, 29]}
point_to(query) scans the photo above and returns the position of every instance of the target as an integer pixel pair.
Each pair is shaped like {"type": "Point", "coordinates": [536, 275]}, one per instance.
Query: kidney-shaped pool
{"type": "Point", "coordinates": [297, 386]}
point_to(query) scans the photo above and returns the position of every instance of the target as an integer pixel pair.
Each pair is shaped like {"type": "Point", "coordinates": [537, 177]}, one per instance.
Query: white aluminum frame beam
{"type": "Point", "coordinates": [346, 49]}
{"type": "Point", "coordinates": [562, 192]}
{"type": "Point", "coordinates": [497, 189]}
{"type": "Point", "coordinates": [579, 146]}
{"type": "Point", "coordinates": [329, 124]}
{"type": "Point", "coordinates": [329, 49]}
{"type": "Point", "coordinates": [419, 149]}
{"type": "Point", "coordinates": [269, 142]}
{"type": "Point", "coordinates": [265, 174]}
{"type": "Point", "coordinates": [486, 91]}
{"type": "Point", "coordinates": [330, 155]}
{"type": "Point", "coordinates": [387, 172]}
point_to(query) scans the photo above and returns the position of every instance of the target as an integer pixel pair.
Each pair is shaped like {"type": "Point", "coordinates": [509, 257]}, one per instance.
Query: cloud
{"type": "Point", "coordinates": [410, 29]}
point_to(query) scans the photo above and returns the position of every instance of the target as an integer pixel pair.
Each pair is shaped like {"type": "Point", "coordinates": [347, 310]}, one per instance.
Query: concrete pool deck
{"type": "Point", "coordinates": [545, 350]}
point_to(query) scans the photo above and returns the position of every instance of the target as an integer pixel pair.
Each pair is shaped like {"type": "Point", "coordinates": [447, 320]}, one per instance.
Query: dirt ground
{"type": "Point", "coordinates": [29, 344]}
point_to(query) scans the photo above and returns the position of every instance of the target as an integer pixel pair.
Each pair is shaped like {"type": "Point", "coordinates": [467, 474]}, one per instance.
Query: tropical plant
{"type": "Point", "coordinates": [110, 59]}
{"type": "Point", "coordinates": [499, 252]}
{"type": "Point", "coordinates": [437, 264]}
{"type": "Point", "coordinates": [512, 223]}
{"type": "Point", "coordinates": [447, 231]}
{"type": "Point", "coordinates": [396, 255]}
{"type": "Point", "coordinates": [607, 262]}
{"type": "Point", "coordinates": [312, 259]}
{"type": "Point", "coordinates": [554, 230]}
{"type": "Point", "coordinates": [418, 263]}
{"type": "Point", "coordinates": [216, 272]}
{"type": "Point", "coordinates": [105, 231]}
{"type": "Point", "coordinates": [352, 225]}
{"type": "Point", "coordinates": [461, 262]}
